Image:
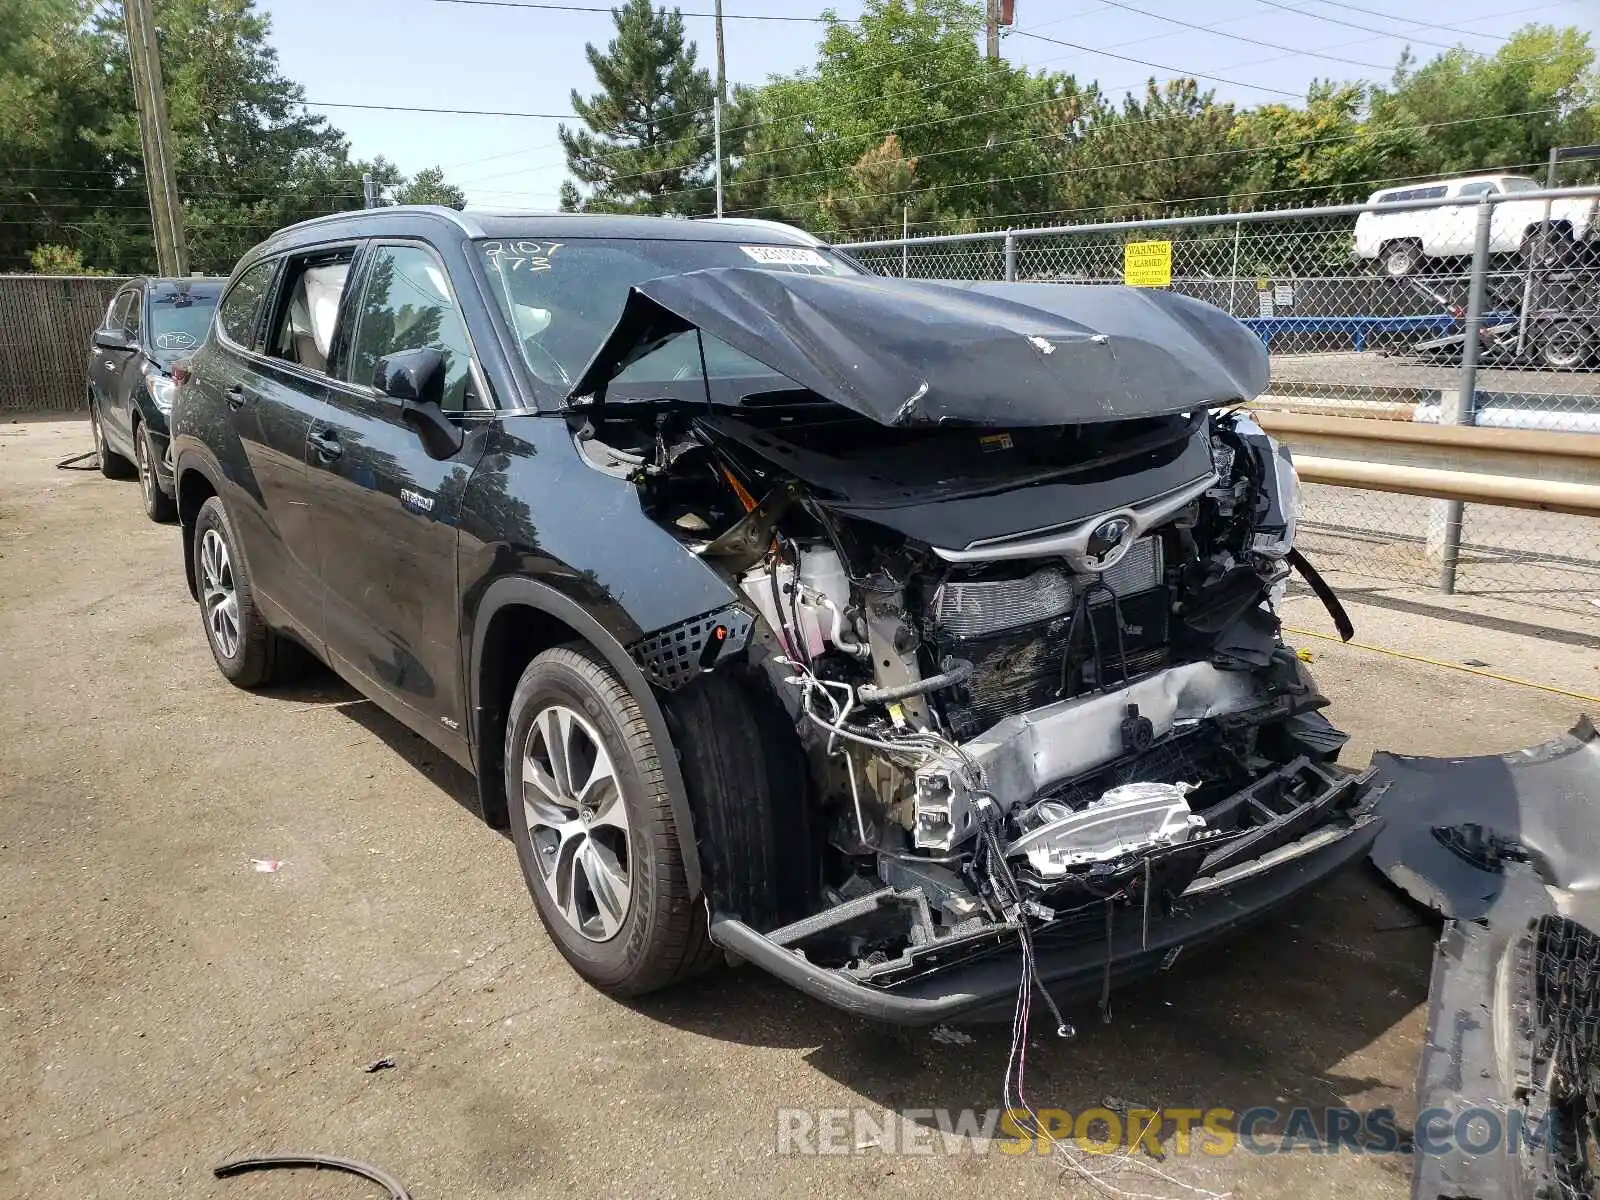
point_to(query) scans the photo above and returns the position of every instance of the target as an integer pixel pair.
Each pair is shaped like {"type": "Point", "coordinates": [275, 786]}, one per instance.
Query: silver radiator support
{"type": "Point", "coordinates": [1023, 755]}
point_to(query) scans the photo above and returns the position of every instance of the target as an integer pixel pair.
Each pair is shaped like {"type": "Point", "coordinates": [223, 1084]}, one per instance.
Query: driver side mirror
{"type": "Point", "coordinates": [112, 339]}
{"type": "Point", "coordinates": [416, 379]}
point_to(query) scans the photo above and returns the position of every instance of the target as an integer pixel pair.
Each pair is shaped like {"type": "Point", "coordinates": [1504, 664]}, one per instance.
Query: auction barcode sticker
{"type": "Point", "coordinates": [785, 256]}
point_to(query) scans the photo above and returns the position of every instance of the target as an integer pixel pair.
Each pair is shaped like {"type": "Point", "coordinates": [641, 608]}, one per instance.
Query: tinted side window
{"type": "Point", "coordinates": [302, 331]}
{"type": "Point", "coordinates": [239, 314]}
{"type": "Point", "coordinates": [135, 313]}
{"type": "Point", "coordinates": [116, 310]}
{"type": "Point", "coordinates": [1431, 193]}
{"type": "Point", "coordinates": [1481, 188]}
{"type": "Point", "coordinates": [408, 305]}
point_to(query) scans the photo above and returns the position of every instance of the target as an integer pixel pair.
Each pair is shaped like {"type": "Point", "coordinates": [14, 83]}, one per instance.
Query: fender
{"type": "Point", "coordinates": [518, 589]}
{"type": "Point", "coordinates": [189, 456]}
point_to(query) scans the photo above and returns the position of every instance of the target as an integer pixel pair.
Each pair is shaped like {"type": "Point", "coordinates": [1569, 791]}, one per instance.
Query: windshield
{"type": "Point", "coordinates": [178, 319]}
{"type": "Point", "coordinates": [1517, 183]}
{"type": "Point", "coordinates": [563, 297]}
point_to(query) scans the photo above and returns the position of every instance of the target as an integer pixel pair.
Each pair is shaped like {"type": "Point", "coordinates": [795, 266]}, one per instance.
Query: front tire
{"type": "Point", "coordinates": [249, 653]}
{"type": "Point", "coordinates": [112, 466]}
{"type": "Point", "coordinates": [593, 825]}
{"type": "Point", "coordinates": [158, 506]}
{"type": "Point", "coordinates": [1401, 258]}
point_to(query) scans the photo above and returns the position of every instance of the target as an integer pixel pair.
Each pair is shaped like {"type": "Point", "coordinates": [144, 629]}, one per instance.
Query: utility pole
{"type": "Point", "coordinates": [994, 30]}
{"type": "Point", "coordinates": [722, 72]}
{"type": "Point", "coordinates": [155, 137]}
{"type": "Point", "coordinates": [369, 191]}
{"type": "Point", "coordinates": [716, 126]}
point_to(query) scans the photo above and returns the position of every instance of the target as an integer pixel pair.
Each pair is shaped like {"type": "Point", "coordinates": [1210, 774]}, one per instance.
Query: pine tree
{"type": "Point", "coordinates": [648, 145]}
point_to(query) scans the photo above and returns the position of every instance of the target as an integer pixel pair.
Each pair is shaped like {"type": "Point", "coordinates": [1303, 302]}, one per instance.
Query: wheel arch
{"type": "Point", "coordinates": [518, 618]}
{"type": "Point", "coordinates": [191, 489]}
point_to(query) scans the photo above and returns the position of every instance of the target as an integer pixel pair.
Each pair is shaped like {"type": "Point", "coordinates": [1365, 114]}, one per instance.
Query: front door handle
{"type": "Point", "coordinates": [237, 397]}
{"type": "Point", "coordinates": [327, 443]}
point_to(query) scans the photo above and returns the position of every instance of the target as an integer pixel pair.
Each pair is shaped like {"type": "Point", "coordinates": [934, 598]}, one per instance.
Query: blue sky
{"type": "Point", "coordinates": [445, 55]}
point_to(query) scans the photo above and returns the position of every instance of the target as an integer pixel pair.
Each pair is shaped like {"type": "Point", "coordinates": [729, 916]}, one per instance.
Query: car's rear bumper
{"type": "Point", "coordinates": [1076, 962]}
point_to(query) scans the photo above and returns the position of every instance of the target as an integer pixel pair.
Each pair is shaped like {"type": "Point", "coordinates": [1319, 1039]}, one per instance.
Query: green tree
{"type": "Point", "coordinates": [880, 196]}
{"type": "Point", "coordinates": [1539, 90]}
{"type": "Point", "coordinates": [428, 186]}
{"type": "Point", "coordinates": [649, 143]}
{"type": "Point", "coordinates": [249, 158]}
{"type": "Point", "coordinates": [1326, 152]}
{"type": "Point", "coordinates": [60, 260]}
{"type": "Point", "coordinates": [911, 70]}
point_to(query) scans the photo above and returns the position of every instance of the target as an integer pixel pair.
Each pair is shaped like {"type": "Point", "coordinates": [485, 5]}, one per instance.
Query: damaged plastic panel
{"type": "Point", "coordinates": [1513, 1040]}
{"type": "Point", "coordinates": [1507, 848]}
{"type": "Point", "coordinates": [1021, 617]}
{"type": "Point", "coordinates": [1455, 825]}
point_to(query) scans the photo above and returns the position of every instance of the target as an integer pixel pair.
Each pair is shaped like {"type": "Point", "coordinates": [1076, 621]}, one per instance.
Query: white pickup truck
{"type": "Point", "coordinates": [1401, 240]}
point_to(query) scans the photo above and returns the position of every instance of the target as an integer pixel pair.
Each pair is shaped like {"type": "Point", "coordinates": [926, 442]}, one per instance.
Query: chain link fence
{"type": "Point", "coordinates": [1364, 310]}
{"type": "Point", "coordinates": [45, 323]}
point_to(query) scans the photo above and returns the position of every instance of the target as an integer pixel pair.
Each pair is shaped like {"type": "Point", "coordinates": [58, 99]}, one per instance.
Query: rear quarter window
{"type": "Point", "coordinates": [239, 314]}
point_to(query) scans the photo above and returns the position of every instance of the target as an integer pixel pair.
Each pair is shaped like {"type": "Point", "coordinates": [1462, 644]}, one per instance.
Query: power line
{"type": "Point", "coordinates": [457, 112]}
{"type": "Point", "coordinates": [592, 8]}
{"type": "Point", "coordinates": [900, 128]}
{"type": "Point", "coordinates": [1372, 12]}
{"type": "Point", "coordinates": [1316, 16]}
{"type": "Point", "coordinates": [700, 112]}
{"type": "Point", "coordinates": [1026, 32]}
{"type": "Point", "coordinates": [1239, 37]}
{"type": "Point", "coordinates": [1160, 66]}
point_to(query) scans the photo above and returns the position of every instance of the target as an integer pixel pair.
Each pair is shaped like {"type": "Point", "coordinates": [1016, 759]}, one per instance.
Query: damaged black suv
{"type": "Point", "coordinates": [906, 639]}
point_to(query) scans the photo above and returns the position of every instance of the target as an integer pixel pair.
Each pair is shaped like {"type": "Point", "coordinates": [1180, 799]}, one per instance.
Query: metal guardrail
{"type": "Point", "coordinates": [1511, 468]}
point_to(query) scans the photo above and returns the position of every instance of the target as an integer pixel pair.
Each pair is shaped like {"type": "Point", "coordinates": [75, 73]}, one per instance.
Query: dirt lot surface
{"type": "Point", "coordinates": [164, 1004]}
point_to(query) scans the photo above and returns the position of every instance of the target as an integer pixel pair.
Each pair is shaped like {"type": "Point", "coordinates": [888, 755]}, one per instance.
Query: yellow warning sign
{"type": "Point", "coordinates": [1147, 264]}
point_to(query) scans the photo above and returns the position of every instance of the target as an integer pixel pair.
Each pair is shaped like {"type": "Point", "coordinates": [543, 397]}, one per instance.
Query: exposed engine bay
{"type": "Point", "coordinates": [1035, 666]}
{"type": "Point", "coordinates": [1029, 725]}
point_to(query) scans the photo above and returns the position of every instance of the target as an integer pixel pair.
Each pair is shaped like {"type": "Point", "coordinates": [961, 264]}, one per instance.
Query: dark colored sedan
{"type": "Point", "coordinates": [150, 325]}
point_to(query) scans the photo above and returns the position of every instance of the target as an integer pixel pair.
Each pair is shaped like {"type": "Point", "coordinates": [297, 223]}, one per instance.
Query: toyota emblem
{"type": "Point", "coordinates": [1108, 543]}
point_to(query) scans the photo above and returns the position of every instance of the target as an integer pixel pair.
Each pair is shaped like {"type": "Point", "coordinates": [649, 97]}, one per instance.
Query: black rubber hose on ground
{"type": "Point", "coordinates": [328, 1162]}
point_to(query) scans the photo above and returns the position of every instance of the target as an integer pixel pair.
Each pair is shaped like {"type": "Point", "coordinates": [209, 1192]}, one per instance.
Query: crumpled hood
{"type": "Point", "coordinates": [908, 352]}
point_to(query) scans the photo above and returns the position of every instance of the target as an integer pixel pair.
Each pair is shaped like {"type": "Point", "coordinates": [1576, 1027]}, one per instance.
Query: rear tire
{"type": "Point", "coordinates": [158, 506]}
{"type": "Point", "coordinates": [249, 653]}
{"type": "Point", "coordinates": [112, 466]}
{"type": "Point", "coordinates": [594, 830]}
{"type": "Point", "coordinates": [1401, 258]}
{"type": "Point", "coordinates": [1566, 346]}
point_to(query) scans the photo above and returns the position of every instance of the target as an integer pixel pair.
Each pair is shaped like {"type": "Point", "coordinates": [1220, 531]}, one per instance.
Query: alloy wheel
{"type": "Point", "coordinates": [577, 822]}
{"type": "Point", "coordinates": [147, 474]}
{"type": "Point", "coordinates": [1566, 348]}
{"type": "Point", "coordinates": [218, 594]}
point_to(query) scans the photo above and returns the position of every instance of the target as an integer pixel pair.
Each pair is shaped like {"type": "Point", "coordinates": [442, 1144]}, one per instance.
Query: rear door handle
{"type": "Point", "coordinates": [327, 443]}
{"type": "Point", "coordinates": [238, 397]}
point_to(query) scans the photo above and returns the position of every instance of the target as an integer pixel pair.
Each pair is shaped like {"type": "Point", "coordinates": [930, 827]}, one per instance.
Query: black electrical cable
{"type": "Point", "coordinates": [1015, 908]}
{"type": "Point", "coordinates": [268, 1162]}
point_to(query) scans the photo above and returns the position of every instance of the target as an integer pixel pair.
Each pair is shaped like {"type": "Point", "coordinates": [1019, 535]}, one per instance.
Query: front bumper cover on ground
{"type": "Point", "coordinates": [976, 977]}
{"type": "Point", "coordinates": [1504, 847]}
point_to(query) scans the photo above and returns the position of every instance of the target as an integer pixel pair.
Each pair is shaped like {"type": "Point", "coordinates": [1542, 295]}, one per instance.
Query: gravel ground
{"type": "Point", "coordinates": [164, 1004]}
